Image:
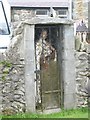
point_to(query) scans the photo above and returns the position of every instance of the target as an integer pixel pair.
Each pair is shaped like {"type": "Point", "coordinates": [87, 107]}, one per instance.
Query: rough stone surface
{"type": "Point", "coordinates": [82, 73]}
{"type": "Point", "coordinates": [19, 15]}
{"type": "Point", "coordinates": [80, 9]}
{"type": "Point", "coordinates": [12, 77]}
{"type": "Point", "coordinates": [12, 81]}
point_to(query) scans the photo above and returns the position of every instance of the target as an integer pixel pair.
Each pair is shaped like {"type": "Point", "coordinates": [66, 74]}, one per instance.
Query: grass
{"type": "Point", "coordinates": [77, 113]}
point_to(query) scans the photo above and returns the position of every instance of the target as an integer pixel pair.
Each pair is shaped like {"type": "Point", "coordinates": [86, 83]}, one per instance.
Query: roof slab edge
{"type": "Point", "coordinates": [48, 20]}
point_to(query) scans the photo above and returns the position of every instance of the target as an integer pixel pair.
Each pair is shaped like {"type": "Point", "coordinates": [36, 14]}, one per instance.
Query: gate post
{"type": "Point", "coordinates": [68, 65]}
{"type": "Point", "coordinates": [29, 67]}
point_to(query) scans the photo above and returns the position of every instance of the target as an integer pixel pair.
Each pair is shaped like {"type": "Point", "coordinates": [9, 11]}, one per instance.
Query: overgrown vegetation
{"type": "Point", "coordinates": [6, 63]}
{"type": "Point", "coordinates": [5, 68]}
{"type": "Point", "coordinates": [77, 113]}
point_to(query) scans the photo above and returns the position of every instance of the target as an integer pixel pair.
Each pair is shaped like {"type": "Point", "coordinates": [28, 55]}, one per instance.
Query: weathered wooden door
{"type": "Point", "coordinates": [47, 67]}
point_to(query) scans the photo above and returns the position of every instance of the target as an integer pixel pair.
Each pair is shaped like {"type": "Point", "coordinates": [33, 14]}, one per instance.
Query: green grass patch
{"type": "Point", "coordinates": [77, 113]}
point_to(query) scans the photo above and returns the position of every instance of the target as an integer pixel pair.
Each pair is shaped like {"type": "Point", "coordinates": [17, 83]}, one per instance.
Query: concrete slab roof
{"type": "Point", "coordinates": [48, 20]}
{"type": "Point", "coordinates": [39, 3]}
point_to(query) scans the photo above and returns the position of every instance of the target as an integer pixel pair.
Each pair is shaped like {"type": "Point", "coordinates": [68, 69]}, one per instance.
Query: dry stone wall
{"type": "Point", "coordinates": [12, 79]}
{"type": "Point", "coordinates": [82, 77]}
{"type": "Point", "coordinates": [82, 56]}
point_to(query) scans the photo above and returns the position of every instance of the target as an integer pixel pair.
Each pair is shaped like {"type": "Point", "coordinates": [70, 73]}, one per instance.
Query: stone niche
{"type": "Point", "coordinates": [38, 72]}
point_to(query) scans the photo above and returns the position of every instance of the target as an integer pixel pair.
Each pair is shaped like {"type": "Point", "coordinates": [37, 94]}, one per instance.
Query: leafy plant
{"type": "Point", "coordinates": [6, 63]}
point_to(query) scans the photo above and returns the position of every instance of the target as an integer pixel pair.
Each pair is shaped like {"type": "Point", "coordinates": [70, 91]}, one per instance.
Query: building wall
{"type": "Point", "coordinates": [79, 13]}
{"type": "Point", "coordinates": [80, 10]}
{"type": "Point", "coordinates": [19, 76]}
{"type": "Point", "coordinates": [14, 74]}
{"type": "Point", "coordinates": [18, 15]}
{"type": "Point", "coordinates": [22, 14]}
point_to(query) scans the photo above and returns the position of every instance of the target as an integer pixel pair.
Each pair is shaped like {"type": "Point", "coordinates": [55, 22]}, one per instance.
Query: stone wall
{"type": "Point", "coordinates": [19, 14]}
{"type": "Point", "coordinates": [12, 78]}
{"type": "Point", "coordinates": [82, 73]}
{"type": "Point", "coordinates": [80, 9]}
{"type": "Point", "coordinates": [80, 12]}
